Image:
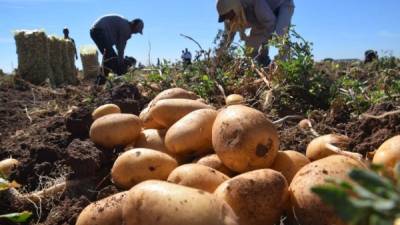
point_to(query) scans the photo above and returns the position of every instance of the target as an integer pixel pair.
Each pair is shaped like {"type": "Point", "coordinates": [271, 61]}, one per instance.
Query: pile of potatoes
{"type": "Point", "coordinates": [187, 162]}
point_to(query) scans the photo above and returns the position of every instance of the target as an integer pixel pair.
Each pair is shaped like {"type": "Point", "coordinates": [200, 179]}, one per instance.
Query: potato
{"type": "Point", "coordinates": [166, 112]}
{"type": "Point", "coordinates": [174, 93]}
{"type": "Point", "coordinates": [105, 110]}
{"type": "Point", "coordinates": [327, 145]}
{"type": "Point", "coordinates": [115, 130]}
{"type": "Point", "coordinates": [148, 121]}
{"type": "Point", "coordinates": [107, 211]}
{"type": "Point", "coordinates": [155, 139]}
{"type": "Point", "coordinates": [140, 164]}
{"type": "Point", "coordinates": [388, 154]}
{"type": "Point", "coordinates": [191, 135]}
{"type": "Point", "coordinates": [307, 206]}
{"type": "Point", "coordinates": [152, 139]}
{"type": "Point", "coordinates": [7, 166]}
{"type": "Point", "coordinates": [244, 138]}
{"type": "Point", "coordinates": [257, 197]}
{"type": "Point", "coordinates": [288, 163]}
{"type": "Point", "coordinates": [234, 99]}
{"type": "Point", "coordinates": [197, 176]}
{"type": "Point", "coordinates": [163, 203]}
{"type": "Point", "coordinates": [305, 124]}
{"type": "Point", "coordinates": [214, 162]}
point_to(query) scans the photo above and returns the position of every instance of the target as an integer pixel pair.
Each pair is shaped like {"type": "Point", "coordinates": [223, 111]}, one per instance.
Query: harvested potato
{"type": "Point", "coordinates": [327, 145]}
{"type": "Point", "coordinates": [115, 130]}
{"type": "Point", "coordinates": [305, 124]}
{"type": "Point", "coordinates": [197, 176]}
{"type": "Point", "coordinates": [152, 139]}
{"type": "Point", "coordinates": [148, 121]}
{"type": "Point", "coordinates": [289, 162]}
{"type": "Point", "coordinates": [7, 166]}
{"type": "Point", "coordinates": [107, 211]}
{"type": "Point", "coordinates": [191, 135]}
{"type": "Point", "coordinates": [215, 162]}
{"type": "Point", "coordinates": [174, 93]}
{"type": "Point", "coordinates": [105, 110]}
{"type": "Point", "coordinates": [155, 139]}
{"type": "Point", "coordinates": [234, 99]}
{"type": "Point", "coordinates": [244, 138]}
{"type": "Point", "coordinates": [168, 111]}
{"type": "Point", "coordinates": [163, 203]}
{"type": "Point", "coordinates": [388, 154]}
{"type": "Point", "coordinates": [257, 197]}
{"type": "Point", "coordinates": [141, 164]}
{"type": "Point", "coordinates": [307, 206]}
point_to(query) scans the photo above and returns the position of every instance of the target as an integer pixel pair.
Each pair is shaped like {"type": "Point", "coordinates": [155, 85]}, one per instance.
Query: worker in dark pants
{"type": "Point", "coordinates": [114, 30]}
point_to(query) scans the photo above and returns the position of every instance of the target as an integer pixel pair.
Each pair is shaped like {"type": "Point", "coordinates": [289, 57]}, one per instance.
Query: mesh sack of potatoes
{"type": "Point", "coordinates": [68, 54]}
{"type": "Point", "coordinates": [33, 55]}
{"type": "Point", "coordinates": [90, 62]}
{"type": "Point", "coordinates": [56, 60]}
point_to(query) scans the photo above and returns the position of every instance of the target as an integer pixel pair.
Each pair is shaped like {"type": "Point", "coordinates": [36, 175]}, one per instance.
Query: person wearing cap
{"type": "Point", "coordinates": [263, 17]}
{"type": "Point", "coordinates": [114, 30]}
{"type": "Point", "coordinates": [66, 36]}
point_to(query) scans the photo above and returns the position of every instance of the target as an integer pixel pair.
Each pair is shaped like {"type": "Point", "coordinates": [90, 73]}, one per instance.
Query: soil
{"type": "Point", "coordinates": [47, 131]}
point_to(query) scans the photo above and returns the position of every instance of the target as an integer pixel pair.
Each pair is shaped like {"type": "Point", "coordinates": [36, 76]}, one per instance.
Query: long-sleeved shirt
{"type": "Point", "coordinates": [261, 17]}
{"type": "Point", "coordinates": [117, 30]}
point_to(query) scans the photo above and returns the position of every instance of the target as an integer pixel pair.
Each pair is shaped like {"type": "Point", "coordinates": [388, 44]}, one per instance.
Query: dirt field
{"type": "Point", "coordinates": [47, 130]}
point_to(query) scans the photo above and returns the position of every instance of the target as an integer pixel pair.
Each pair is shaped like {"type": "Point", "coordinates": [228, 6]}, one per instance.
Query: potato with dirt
{"type": "Point", "coordinates": [107, 211]}
{"type": "Point", "coordinates": [244, 138]}
{"type": "Point", "coordinates": [7, 166]}
{"type": "Point", "coordinates": [141, 164]}
{"type": "Point", "coordinates": [289, 163]}
{"type": "Point", "coordinates": [257, 197]}
{"type": "Point", "coordinates": [115, 130]}
{"type": "Point", "coordinates": [388, 154]}
{"type": "Point", "coordinates": [163, 203]}
{"type": "Point", "coordinates": [307, 206]}
{"type": "Point", "coordinates": [197, 176]}
{"type": "Point", "coordinates": [105, 110]}
{"type": "Point", "coordinates": [192, 134]}
{"type": "Point", "coordinates": [168, 111]}
{"type": "Point", "coordinates": [327, 145]}
{"type": "Point", "coordinates": [215, 162]}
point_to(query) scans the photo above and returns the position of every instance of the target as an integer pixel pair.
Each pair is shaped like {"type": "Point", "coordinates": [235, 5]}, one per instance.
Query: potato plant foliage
{"type": "Point", "coordinates": [371, 199]}
{"type": "Point", "coordinates": [298, 84]}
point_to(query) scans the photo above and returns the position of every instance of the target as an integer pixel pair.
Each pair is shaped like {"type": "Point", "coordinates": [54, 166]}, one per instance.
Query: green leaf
{"type": "Point", "coordinates": [338, 198]}
{"type": "Point", "coordinates": [370, 180]}
{"type": "Point", "coordinates": [376, 219]}
{"type": "Point", "coordinates": [17, 217]}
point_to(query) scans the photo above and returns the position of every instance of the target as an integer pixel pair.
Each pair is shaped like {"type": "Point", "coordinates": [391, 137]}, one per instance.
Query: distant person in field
{"type": "Point", "coordinates": [114, 30]}
{"type": "Point", "coordinates": [370, 56]}
{"type": "Point", "coordinates": [186, 57]}
{"type": "Point", "coordinates": [263, 17]}
{"type": "Point", "coordinates": [66, 36]}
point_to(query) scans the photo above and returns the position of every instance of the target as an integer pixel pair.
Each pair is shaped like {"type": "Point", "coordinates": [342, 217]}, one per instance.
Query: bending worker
{"type": "Point", "coordinates": [113, 30]}
{"type": "Point", "coordinates": [263, 17]}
